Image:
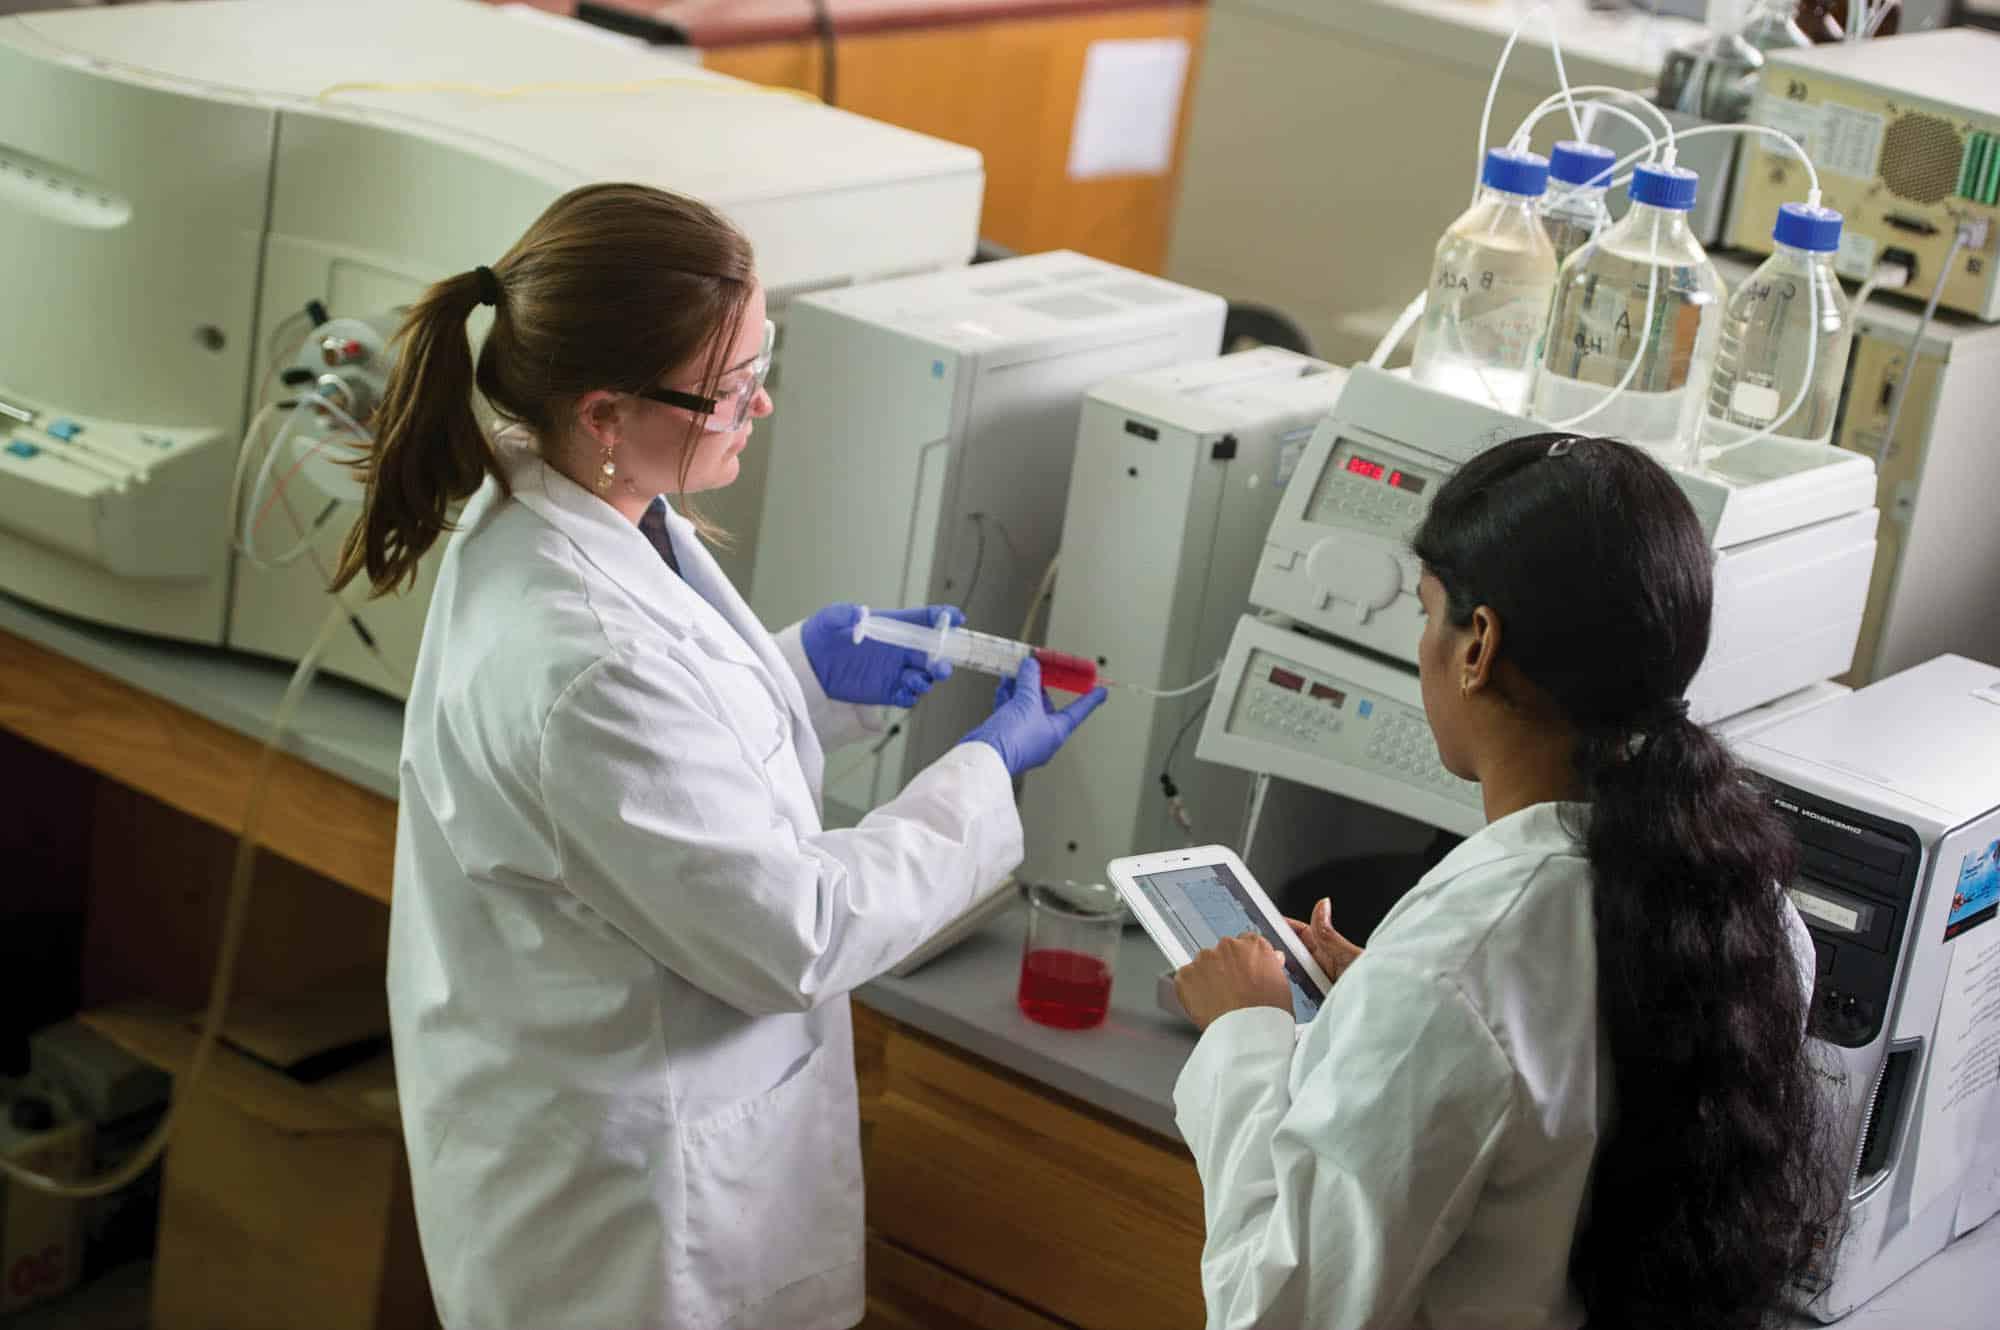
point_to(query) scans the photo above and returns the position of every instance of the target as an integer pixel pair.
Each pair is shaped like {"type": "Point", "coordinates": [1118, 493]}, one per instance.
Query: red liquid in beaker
{"type": "Point", "coordinates": [1071, 674]}
{"type": "Point", "coordinates": [1064, 988]}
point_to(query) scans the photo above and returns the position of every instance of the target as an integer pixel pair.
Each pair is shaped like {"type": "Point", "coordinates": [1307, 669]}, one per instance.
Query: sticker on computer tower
{"type": "Point", "coordinates": [1976, 898]}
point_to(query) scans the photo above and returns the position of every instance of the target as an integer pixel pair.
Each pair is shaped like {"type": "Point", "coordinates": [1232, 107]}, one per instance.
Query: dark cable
{"type": "Point", "coordinates": [828, 59]}
{"type": "Point", "coordinates": [978, 559]}
{"type": "Point", "coordinates": [652, 31]}
{"type": "Point", "coordinates": [1167, 767]}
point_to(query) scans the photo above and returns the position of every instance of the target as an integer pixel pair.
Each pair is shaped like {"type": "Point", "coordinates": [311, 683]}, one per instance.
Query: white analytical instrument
{"type": "Point", "coordinates": [1792, 526]}
{"type": "Point", "coordinates": [943, 418]}
{"type": "Point", "coordinates": [1894, 792]}
{"type": "Point", "coordinates": [178, 179]}
{"type": "Point", "coordinates": [1177, 474]}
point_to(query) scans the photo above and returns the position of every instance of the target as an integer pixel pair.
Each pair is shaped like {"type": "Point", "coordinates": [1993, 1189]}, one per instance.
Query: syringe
{"type": "Point", "coordinates": [988, 654]}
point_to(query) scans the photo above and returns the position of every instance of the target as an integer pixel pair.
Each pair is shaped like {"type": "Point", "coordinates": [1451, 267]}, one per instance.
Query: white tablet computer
{"type": "Point", "coordinates": [1188, 900]}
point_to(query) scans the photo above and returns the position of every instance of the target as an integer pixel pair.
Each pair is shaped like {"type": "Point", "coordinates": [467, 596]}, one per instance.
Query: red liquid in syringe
{"type": "Point", "coordinates": [1070, 674]}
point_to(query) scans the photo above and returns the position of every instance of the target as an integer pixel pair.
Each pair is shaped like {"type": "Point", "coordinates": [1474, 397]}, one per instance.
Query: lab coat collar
{"type": "Point", "coordinates": [700, 600]}
{"type": "Point", "coordinates": [1538, 828]}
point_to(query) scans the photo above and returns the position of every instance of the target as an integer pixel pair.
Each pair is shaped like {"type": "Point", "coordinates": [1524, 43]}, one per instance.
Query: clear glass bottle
{"type": "Point", "coordinates": [1605, 368]}
{"type": "Point", "coordinates": [1574, 211]}
{"type": "Point", "coordinates": [1489, 291]}
{"type": "Point", "coordinates": [1793, 304]}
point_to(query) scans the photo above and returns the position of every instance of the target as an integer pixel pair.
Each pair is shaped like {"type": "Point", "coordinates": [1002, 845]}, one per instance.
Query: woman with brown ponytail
{"type": "Point", "coordinates": [621, 941]}
{"type": "Point", "coordinates": [1568, 1081]}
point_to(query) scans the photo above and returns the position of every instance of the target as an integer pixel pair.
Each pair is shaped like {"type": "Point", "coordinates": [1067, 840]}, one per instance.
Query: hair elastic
{"type": "Point", "coordinates": [1665, 712]}
{"type": "Point", "coordinates": [489, 285]}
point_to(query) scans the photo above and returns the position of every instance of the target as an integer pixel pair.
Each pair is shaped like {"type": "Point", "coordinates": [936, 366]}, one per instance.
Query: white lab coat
{"type": "Point", "coordinates": [621, 939]}
{"type": "Point", "coordinates": [1420, 1155]}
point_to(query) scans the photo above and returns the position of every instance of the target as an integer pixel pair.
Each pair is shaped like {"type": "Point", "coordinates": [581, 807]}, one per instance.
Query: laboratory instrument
{"type": "Point", "coordinates": [1786, 333]}
{"type": "Point", "coordinates": [945, 413]}
{"type": "Point", "coordinates": [1792, 525]}
{"type": "Point", "coordinates": [1895, 798]}
{"type": "Point", "coordinates": [1489, 288]}
{"type": "Point", "coordinates": [1937, 554]}
{"type": "Point", "coordinates": [1327, 715]}
{"type": "Point", "coordinates": [1906, 136]}
{"type": "Point", "coordinates": [966, 649]}
{"type": "Point", "coordinates": [1574, 209]}
{"type": "Point", "coordinates": [1189, 900]}
{"type": "Point", "coordinates": [1632, 331]}
{"type": "Point", "coordinates": [1069, 953]}
{"type": "Point", "coordinates": [206, 169]}
{"type": "Point", "coordinates": [1715, 77]}
{"type": "Point", "coordinates": [1177, 474]}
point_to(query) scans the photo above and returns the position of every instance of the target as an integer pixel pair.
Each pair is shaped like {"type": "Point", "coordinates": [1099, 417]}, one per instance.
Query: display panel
{"type": "Point", "coordinates": [1824, 910]}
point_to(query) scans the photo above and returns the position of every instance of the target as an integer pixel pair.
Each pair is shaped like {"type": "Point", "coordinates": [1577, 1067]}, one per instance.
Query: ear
{"type": "Point", "coordinates": [600, 418]}
{"type": "Point", "coordinates": [1480, 653]}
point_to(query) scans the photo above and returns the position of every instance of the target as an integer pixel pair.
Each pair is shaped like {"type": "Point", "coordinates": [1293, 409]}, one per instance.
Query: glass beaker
{"type": "Point", "coordinates": [1069, 954]}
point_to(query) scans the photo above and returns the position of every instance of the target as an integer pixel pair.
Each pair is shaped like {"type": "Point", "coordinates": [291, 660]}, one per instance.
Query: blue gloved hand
{"type": "Point", "coordinates": [1025, 728]}
{"type": "Point", "coordinates": [871, 673]}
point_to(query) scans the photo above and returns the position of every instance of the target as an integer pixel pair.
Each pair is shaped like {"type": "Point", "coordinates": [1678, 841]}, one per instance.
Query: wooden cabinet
{"type": "Point", "coordinates": [1043, 1201]}
{"type": "Point", "coordinates": [907, 1292]}
{"type": "Point", "coordinates": [1008, 87]}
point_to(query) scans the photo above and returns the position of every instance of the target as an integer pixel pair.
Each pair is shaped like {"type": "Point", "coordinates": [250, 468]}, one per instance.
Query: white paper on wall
{"type": "Point", "coordinates": [1128, 108]}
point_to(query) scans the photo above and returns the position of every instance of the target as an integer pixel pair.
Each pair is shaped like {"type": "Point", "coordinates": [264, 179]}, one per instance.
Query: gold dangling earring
{"type": "Point", "coordinates": [606, 472]}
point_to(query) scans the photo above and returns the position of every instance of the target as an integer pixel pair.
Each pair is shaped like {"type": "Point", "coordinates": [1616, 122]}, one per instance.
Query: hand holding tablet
{"type": "Point", "coordinates": [1190, 900]}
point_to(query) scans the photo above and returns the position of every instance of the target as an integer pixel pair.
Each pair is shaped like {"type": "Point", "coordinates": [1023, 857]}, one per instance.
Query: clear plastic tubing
{"type": "Point", "coordinates": [1573, 211]}
{"type": "Point", "coordinates": [964, 648]}
{"type": "Point", "coordinates": [1489, 288]}
{"type": "Point", "coordinates": [1785, 340]}
{"type": "Point", "coordinates": [1634, 325]}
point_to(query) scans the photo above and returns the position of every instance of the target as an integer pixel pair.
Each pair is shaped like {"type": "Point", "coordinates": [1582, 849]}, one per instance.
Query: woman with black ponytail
{"type": "Point", "coordinates": [1568, 1080]}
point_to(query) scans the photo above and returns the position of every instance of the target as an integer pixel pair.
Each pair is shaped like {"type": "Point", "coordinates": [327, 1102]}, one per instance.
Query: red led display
{"type": "Point", "coordinates": [1404, 481]}
{"type": "Point", "coordinates": [1361, 466]}
{"type": "Point", "coordinates": [1286, 679]}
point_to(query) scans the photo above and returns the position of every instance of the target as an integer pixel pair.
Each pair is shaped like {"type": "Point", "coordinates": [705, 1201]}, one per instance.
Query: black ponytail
{"type": "Point", "coordinates": [1715, 1179]}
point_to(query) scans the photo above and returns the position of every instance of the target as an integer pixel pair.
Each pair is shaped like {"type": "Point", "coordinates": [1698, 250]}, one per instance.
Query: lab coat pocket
{"type": "Point", "coordinates": [773, 1190]}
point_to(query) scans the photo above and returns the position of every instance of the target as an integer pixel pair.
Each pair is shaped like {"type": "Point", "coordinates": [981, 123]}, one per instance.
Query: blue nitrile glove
{"type": "Point", "coordinates": [1025, 727]}
{"type": "Point", "coordinates": [871, 673]}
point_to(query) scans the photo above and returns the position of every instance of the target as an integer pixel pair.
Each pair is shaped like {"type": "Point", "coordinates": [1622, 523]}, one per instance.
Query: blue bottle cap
{"type": "Point", "coordinates": [1670, 187]}
{"type": "Point", "coordinates": [1815, 230]}
{"type": "Point", "coordinates": [1516, 172]}
{"type": "Point", "coordinates": [1576, 163]}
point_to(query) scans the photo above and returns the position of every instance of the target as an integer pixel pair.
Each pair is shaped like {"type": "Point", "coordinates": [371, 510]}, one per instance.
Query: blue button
{"type": "Point", "coordinates": [1366, 708]}
{"type": "Point", "coordinates": [64, 429]}
{"type": "Point", "coordinates": [22, 448]}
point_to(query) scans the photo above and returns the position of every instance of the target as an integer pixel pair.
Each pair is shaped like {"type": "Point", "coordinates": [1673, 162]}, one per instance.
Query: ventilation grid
{"type": "Point", "coordinates": [1921, 157]}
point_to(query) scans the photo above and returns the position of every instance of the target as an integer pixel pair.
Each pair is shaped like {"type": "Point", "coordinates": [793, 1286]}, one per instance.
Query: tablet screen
{"type": "Point", "coordinates": [1205, 904]}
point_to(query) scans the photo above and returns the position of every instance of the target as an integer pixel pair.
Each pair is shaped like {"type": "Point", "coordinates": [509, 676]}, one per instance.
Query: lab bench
{"type": "Point", "coordinates": [1019, 1177]}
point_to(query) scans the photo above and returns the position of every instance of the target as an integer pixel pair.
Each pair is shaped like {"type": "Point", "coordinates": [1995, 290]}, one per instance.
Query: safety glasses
{"type": "Point", "coordinates": [728, 410]}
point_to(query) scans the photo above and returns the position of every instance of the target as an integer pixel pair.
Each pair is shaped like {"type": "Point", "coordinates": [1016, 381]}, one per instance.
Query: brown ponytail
{"type": "Point", "coordinates": [429, 452]}
{"type": "Point", "coordinates": [613, 287]}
